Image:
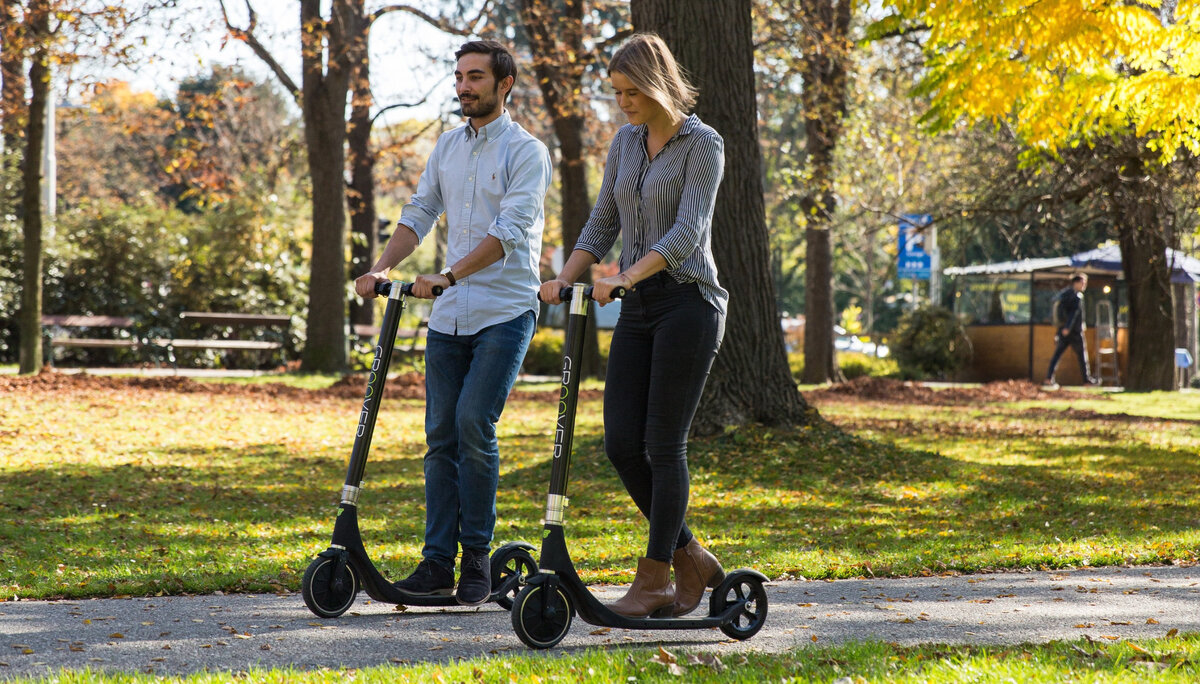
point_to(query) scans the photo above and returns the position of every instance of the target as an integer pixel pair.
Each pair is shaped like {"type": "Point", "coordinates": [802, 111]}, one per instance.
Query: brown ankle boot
{"type": "Point", "coordinates": [695, 568]}
{"type": "Point", "coordinates": [651, 590]}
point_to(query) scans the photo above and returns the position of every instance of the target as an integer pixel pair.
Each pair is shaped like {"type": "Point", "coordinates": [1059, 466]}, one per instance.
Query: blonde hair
{"type": "Point", "coordinates": [647, 61]}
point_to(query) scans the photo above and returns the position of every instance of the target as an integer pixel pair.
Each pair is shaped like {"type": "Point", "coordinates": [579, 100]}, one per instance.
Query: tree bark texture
{"type": "Point", "coordinates": [12, 82]}
{"type": "Point", "coordinates": [556, 38]}
{"type": "Point", "coordinates": [360, 195]}
{"type": "Point", "coordinates": [328, 49]}
{"type": "Point", "coordinates": [750, 380]}
{"type": "Point", "coordinates": [826, 51]}
{"type": "Point", "coordinates": [30, 319]}
{"type": "Point", "coordinates": [1135, 200]}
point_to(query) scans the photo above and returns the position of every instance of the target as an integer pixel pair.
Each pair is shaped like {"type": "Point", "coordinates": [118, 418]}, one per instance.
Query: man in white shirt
{"type": "Point", "coordinates": [490, 178]}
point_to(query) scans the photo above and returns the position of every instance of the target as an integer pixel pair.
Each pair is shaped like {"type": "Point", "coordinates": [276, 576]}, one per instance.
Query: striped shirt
{"type": "Point", "coordinates": [663, 204]}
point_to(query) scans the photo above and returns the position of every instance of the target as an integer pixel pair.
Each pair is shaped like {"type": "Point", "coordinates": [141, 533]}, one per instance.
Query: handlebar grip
{"type": "Point", "coordinates": [384, 288]}
{"type": "Point", "coordinates": [567, 293]}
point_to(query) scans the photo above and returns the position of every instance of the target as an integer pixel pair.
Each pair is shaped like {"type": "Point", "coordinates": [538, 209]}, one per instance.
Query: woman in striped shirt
{"type": "Point", "coordinates": [660, 184]}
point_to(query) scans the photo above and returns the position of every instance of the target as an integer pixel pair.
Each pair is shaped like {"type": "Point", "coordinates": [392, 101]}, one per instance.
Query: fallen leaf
{"type": "Point", "coordinates": [1172, 632]}
{"type": "Point", "coordinates": [1151, 621]}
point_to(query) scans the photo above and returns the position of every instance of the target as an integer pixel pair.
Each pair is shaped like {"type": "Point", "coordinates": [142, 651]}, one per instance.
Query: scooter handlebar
{"type": "Point", "coordinates": [384, 288]}
{"type": "Point", "coordinates": [568, 293]}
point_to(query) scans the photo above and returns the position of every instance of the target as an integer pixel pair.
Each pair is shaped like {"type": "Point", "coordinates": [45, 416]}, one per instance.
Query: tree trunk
{"type": "Point", "coordinates": [1144, 243]}
{"type": "Point", "coordinates": [825, 55]}
{"type": "Point", "coordinates": [559, 73]}
{"type": "Point", "coordinates": [820, 359]}
{"type": "Point", "coordinates": [30, 319]}
{"type": "Point", "coordinates": [360, 196]}
{"type": "Point", "coordinates": [750, 380]}
{"type": "Point", "coordinates": [327, 65]}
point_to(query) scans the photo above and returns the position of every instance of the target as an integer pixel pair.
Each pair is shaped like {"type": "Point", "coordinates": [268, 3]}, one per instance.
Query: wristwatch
{"type": "Point", "coordinates": [449, 276]}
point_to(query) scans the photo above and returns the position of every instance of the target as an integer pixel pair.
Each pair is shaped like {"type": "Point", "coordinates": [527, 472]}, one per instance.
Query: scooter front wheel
{"type": "Point", "coordinates": [325, 595]}
{"type": "Point", "coordinates": [541, 617]}
{"type": "Point", "coordinates": [747, 589]}
{"type": "Point", "coordinates": [511, 565]}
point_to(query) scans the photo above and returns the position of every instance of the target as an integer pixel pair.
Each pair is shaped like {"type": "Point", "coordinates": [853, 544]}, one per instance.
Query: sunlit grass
{"type": "Point", "coordinates": [1156, 660]}
{"type": "Point", "coordinates": [135, 491]}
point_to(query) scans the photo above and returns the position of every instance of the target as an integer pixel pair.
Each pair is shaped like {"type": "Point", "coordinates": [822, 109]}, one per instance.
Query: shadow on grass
{"type": "Point", "coordinates": [816, 502]}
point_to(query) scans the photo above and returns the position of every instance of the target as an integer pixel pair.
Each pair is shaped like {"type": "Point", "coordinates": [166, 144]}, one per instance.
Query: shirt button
{"type": "Point", "coordinates": [467, 205]}
{"type": "Point", "coordinates": [471, 178]}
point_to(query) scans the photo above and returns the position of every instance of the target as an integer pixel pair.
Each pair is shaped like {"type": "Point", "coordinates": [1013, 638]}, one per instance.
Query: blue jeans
{"type": "Point", "coordinates": [467, 381]}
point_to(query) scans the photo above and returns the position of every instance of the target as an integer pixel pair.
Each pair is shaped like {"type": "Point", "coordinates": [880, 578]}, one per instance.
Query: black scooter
{"type": "Point", "coordinates": [542, 612]}
{"type": "Point", "coordinates": [335, 576]}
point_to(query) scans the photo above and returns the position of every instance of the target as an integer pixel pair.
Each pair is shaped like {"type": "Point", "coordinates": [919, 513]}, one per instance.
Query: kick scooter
{"type": "Point", "coordinates": [542, 612]}
{"type": "Point", "coordinates": [335, 576]}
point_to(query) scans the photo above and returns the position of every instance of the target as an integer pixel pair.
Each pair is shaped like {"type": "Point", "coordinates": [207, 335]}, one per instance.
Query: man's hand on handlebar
{"type": "Point", "coordinates": [423, 286]}
{"type": "Point", "coordinates": [364, 285]}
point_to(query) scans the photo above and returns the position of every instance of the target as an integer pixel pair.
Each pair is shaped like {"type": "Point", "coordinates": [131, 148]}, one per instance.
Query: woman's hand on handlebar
{"type": "Point", "coordinates": [551, 289]}
{"type": "Point", "coordinates": [603, 288]}
{"type": "Point", "coordinates": [364, 285]}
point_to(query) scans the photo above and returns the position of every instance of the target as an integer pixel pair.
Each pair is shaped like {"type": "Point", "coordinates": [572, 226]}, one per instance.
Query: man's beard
{"type": "Point", "coordinates": [480, 107]}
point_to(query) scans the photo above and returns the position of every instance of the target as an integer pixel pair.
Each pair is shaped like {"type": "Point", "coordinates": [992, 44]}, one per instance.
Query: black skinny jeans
{"type": "Point", "coordinates": [662, 349]}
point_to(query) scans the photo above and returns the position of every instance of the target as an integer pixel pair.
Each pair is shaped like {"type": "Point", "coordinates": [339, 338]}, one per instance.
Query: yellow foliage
{"type": "Point", "coordinates": [1062, 71]}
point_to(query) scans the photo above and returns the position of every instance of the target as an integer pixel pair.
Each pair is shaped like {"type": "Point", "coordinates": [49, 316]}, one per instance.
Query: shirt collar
{"type": "Point", "coordinates": [492, 130]}
{"type": "Point", "coordinates": [689, 125]}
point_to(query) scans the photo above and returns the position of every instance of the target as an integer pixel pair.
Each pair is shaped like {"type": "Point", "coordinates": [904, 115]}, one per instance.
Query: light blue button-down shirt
{"type": "Point", "coordinates": [488, 183]}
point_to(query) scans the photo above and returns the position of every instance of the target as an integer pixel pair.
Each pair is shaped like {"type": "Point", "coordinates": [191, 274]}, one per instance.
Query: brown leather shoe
{"type": "Point", "coordinates": [695, 568]}
{"type": "Point", "coordinates": [650, 592]}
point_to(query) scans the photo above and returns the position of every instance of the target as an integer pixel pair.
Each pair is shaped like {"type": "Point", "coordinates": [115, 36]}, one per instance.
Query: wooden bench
{"type": "Point", "coordinates": [121, 327]}
{"type": "Point", "coordinates": [415, 337]}
{"type": "Point", "coordinates": [239, 321]}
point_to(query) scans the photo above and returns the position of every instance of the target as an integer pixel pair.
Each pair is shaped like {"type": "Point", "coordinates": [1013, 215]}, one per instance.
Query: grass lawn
{"type": "Point", "coordinates": [112, 488]}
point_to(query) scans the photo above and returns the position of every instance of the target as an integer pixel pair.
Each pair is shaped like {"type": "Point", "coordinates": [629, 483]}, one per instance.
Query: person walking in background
{"type": "Point", "coordinates": [658, 193]}
{"type": "Point", "coordinates": [1070, 330]}
{"type": "Point", "coordinates": [490, 177]}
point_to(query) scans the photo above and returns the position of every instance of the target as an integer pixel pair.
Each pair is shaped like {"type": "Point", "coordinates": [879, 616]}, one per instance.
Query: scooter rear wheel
{"type": "Point", "coordinates": [511, 563]}
{"type": "Point", "coordinates": [745, 588]}
{"type": "Point", "coordinates": [541, 617]}
{"type": "Point", "coordinates": [325, 595]}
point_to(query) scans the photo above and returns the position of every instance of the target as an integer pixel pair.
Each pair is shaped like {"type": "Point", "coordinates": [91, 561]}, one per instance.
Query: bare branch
{"type": "Point", "coordinates": [247, 36]}
{"type": "Point", "coordinates": [444, 24]}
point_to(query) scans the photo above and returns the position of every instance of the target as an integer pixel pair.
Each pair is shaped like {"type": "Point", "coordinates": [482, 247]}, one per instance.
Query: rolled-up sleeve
{"type": "Point", "coordinates": [600, 232]}
{"type": "Point", "coordinates": [426, 205]}
{"type": "Point", "coordinates": [519, 210]}
{"type": "Point", "coordinates": [702, 177]}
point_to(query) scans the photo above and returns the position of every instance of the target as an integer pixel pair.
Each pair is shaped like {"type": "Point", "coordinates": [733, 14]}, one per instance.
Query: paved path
{"type": "Point", "coordinates": [178, 635]}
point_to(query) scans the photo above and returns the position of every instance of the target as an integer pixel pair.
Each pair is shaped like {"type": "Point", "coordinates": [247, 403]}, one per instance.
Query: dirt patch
{"type": "Point", "coordinates": [405, 386]}
{"type": "Point", "coordinates": [898, 391]}
{"type": "Point", "coordinates": [409, 385]}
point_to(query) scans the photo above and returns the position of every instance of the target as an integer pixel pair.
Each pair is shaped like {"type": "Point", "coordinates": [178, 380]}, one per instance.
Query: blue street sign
{"type": "Point", "coordinates": [914, 263]}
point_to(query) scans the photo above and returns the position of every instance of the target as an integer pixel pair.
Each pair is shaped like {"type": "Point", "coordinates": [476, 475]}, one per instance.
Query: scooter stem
{"type": "Point", "coordinates": [564, 431]}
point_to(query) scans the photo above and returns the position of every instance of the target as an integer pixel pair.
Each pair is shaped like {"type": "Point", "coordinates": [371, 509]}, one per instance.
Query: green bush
{"type": "Point", "coordinates": [545, 351]}
{"type": "Point", "coordinates": [856, 365]}
{"type": "Point", "coordinates": [930, 343]}
{"type": "Point", "coordinates": [853, 365]}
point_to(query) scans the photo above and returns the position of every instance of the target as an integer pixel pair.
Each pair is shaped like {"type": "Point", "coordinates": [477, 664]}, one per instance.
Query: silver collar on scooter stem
{"type": "Point", "coordinates": [579, 301]}
{"type": "Point", "coordinates": [350, 495]}
{"type": "Point", "coordinates": [555, 505]}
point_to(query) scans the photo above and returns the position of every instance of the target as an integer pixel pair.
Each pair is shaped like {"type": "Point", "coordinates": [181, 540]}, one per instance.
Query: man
{"type": "Point", "coordinates": [490, 178]}
{"type": "Point", "coordinates": [1070, 332]}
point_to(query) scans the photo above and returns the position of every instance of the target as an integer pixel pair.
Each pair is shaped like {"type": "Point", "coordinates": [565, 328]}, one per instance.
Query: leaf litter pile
{"type": "Point", "coordinates": [901, 392]}
{"type": "Point", "coordinates": [409, 385]}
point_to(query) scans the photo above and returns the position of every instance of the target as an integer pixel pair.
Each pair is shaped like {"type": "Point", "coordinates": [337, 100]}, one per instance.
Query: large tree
{"type": "Point", "coordinates": [330, 47]}
{"type": "Point", "coordinates": [40, 33]}
{"type": "Point", "coordinates": [1113, 76]}
{"type": "Point", "coordinates": [750, 380]}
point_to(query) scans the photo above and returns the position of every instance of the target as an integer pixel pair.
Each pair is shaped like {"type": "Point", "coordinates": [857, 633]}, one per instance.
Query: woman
{"type": "Point", "coordinates": [660, 184]}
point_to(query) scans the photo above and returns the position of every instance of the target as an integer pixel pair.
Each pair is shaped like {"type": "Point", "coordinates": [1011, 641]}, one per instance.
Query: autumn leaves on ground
{"type": "Point", "coordinates": [132, 486]}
